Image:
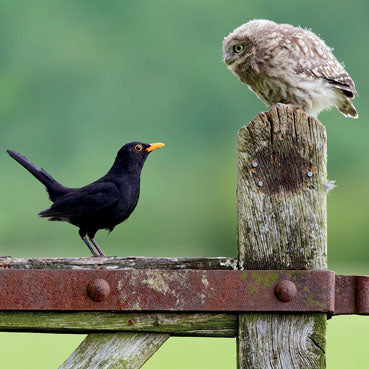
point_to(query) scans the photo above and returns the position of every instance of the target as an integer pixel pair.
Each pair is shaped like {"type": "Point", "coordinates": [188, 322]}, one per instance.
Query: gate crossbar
{"type": "Point", "coordinates": [183, 291]}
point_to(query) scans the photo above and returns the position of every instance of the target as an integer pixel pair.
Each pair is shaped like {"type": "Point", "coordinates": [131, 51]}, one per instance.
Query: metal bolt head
{"type": "Point", "coordinates": [254, 164]}
{"type": "Point", "coordinates": [260, 183]}
{"type": "Point", "coordinates": [98, 289]}
{"type": "Point", "coordinates": [285, 290]}
{"type": "Point", "coordinates": [310, 174]}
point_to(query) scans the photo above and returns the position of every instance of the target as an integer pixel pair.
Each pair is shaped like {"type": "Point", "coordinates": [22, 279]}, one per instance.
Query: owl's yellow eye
{"type": "Point", "coordinates": [138, 148]}
{"type": "Point", "coordinates": [238, 48]}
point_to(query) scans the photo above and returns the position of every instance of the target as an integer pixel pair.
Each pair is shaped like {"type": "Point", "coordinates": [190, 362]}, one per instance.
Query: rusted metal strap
{"type": "Point", "coordinates": [352, 295]}
{"type": "Point", "coordinates": [185, 290]}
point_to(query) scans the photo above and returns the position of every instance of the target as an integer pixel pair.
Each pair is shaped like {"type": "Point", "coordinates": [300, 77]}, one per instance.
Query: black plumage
{"type": "Point", "coordinates": [102, 204]}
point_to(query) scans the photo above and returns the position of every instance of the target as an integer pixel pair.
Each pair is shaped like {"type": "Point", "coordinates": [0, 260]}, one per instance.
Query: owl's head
{"type": "Point", "coordinates": [240, 43]}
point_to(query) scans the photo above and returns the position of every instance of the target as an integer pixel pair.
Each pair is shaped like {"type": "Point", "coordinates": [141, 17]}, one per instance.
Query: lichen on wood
{"type": "Point", "coordinates": [115, 263]}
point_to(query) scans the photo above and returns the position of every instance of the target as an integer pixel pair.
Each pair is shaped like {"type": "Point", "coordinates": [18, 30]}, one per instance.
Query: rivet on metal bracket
{"type": "Point", "coordinates": [285, 290]}
{"type": "Point", "coordinates": [98, 289]}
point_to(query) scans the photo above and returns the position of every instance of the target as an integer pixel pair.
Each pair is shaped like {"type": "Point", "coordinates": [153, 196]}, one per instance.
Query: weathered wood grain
{"type": "Point", "coordinates": [282, 225]}
{"type": "Point", "coordinates": [282, 341]}
{"type": "Point", "coordinates": [114, 351]}
{"type": "Point", "coordinates": [115, 262]}
{"type": "Point", "coordinates": [182, 324]}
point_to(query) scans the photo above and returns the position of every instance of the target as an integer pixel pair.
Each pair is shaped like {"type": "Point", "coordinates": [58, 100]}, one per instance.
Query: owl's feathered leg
{"type": "Point", "coordinates": [292, 106]}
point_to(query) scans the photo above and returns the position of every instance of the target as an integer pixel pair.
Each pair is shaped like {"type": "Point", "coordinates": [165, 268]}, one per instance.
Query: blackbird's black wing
{"type": "Point", "coordinates": [86, 201]}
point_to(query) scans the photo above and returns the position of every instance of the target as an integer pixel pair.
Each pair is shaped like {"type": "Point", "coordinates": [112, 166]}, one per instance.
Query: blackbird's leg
{"type": "Point", "coordinates": [89, 246]}
{"type": "Point", "coordinates": [96, 246]}
{"type": "Point", "coordinates": [84, 239]}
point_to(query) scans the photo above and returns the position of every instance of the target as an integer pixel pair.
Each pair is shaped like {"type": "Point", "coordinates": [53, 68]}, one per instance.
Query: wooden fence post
{"type": "Point", "coordinates": [282, 225]}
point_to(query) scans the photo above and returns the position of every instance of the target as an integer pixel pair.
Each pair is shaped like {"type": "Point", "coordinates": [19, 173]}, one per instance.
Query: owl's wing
{"type": "Point", "coordinates": [348, 90]}
{"type": "Point", "coordinates": [321, 63]}
{"type": "Point", "coordinates": [336, 76]}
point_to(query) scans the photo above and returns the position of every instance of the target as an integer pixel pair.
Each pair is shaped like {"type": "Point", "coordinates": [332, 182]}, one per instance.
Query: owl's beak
{"type": "Point", "coordinates": [228, 62]}
{"type": "Point", "coordinates": [154, 146]}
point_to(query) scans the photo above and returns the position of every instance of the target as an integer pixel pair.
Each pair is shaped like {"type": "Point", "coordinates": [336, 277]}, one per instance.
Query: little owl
{"type": "Point", "coordinates": [290, 65]}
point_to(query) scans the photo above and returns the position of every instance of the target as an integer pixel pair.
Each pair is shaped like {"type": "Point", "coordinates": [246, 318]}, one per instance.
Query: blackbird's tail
{"type": "Point", "coordinates": [53, 187]}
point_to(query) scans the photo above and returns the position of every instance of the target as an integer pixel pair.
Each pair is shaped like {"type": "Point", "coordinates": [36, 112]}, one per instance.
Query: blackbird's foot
{"type": "Point", "coordinates": [84, 239]}
{"type": "Point", "coordinates": [97, 247]}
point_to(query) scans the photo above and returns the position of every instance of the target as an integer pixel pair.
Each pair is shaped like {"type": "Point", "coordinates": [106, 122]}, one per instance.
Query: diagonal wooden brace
{"type": "Point", "coordinates": [125, 350]}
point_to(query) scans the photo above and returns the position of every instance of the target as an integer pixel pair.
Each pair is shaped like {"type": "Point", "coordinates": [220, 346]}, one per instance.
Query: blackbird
{"type": "Point", "coordinates": [102, 204]}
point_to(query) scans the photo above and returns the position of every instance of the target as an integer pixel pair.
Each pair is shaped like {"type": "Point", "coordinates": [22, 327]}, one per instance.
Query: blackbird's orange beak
{"type": "Point", "coordinates": [154, 146]}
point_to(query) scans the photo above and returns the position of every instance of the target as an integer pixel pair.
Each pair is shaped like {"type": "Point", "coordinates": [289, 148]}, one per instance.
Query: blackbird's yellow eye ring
{"type": "Point", "coordinates": [238, 48]}
{"type": "Point", "coordinates": [138, 148]}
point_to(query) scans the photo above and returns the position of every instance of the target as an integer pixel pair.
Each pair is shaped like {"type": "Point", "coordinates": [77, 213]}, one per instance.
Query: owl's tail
{"type": "Point", "coordinates": [347, 108]}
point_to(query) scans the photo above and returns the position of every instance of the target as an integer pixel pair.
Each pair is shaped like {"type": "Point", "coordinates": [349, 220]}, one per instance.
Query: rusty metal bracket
{"type": "Point", "coordinates": [351, 295]}
{"type": "Point", "coordinates": [184, 290]}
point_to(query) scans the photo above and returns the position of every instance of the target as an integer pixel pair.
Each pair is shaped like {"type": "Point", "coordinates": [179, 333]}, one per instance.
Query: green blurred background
{"type": "Point", "coordinates": [80, 78]}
